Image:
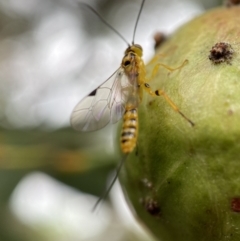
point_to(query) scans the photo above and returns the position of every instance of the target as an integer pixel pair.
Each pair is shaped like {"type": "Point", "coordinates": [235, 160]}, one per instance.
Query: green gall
{"type": "Point", "coordinates": [194, 172]}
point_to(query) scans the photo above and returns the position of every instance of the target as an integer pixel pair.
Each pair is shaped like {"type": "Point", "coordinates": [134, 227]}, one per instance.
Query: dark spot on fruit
{"type": "Point", "coordinates": [230, 112]}
{"type": "Point", "coordinates": [231, 3]}
{"type": "Point", "coordinates": [221, 52]}
{"type": "Point", "coordinates": [150, 103]}
{"type": "Point", "coordinates": [235, 204]}
{"type": "Point", "coordinates": [151, 206]}
{"type": "Point", "coordinates": [159, 38]}
{"type": "Point", "coordinates": [136, 150]}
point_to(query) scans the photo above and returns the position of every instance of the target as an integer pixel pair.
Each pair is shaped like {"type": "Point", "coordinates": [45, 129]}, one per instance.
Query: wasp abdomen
{"type": "Point", "coordinates": [129, 130]}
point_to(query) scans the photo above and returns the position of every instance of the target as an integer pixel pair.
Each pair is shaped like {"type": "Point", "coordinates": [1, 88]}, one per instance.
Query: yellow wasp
{"type": "Point", "coordinates": [120, 96]}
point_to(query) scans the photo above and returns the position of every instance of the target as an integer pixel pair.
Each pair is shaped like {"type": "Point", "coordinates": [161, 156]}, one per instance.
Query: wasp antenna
{"type": "Point", "coordinates": [105, 194]}
{"type": "Point", "coordinates": [135, 28]}
{"type": "Point", "coordinates": [104, 21]}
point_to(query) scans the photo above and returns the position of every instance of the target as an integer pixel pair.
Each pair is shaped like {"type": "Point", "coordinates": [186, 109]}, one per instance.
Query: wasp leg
{"type": "Point", "coordinates": [156, 57]}
{"type": "Point", "coordinates": [162, 55]}
{"type": "Point", "coordinates": [160, 92]}
{"type": "Point", "coordinates": [157, 66]}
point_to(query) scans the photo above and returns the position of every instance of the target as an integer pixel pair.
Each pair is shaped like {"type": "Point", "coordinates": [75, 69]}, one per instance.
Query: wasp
{"type": "Point", "coordinates": [120, 95]}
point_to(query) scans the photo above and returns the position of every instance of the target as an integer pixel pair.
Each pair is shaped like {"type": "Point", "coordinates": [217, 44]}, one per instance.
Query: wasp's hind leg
{"type": "Point", "coordinates": [160, 92]}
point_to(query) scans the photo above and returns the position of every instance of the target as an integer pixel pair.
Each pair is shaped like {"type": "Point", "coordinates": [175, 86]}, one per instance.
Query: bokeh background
{"type": "Point", "coordinates": [52, 54]}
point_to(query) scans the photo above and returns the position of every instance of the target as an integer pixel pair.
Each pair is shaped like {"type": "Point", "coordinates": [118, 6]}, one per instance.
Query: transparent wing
{"type": "Point", "coordinates": [106, 104]}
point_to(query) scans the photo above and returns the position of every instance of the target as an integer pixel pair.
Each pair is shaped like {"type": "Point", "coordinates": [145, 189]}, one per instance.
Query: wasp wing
{"type": "Point", "coordinates": [106, 104]}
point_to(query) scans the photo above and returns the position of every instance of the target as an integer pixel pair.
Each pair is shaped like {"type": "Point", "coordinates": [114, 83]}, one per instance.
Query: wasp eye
{"type": "Point", "coordinates": [126, 63]}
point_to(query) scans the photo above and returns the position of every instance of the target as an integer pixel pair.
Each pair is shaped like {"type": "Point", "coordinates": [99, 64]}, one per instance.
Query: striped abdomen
{"type": "Point", "coordinates": [129, 129]}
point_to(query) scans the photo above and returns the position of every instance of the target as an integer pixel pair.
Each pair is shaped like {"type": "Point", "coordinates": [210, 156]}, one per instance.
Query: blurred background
{"type": "Point", "coordinates": [52, 54]}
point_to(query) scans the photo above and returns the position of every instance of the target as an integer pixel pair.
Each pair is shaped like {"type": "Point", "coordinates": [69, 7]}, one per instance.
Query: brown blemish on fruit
{"type": "Point", "coordinates": [150, 103]}
{"type": "Point", "coordinates": [221, 52]}
{"type": "Point", "coordinates": [231, 3]}
{"type": "Point", "coordinates": [159, 38]}
{"type": "Point", "coordinates": [151, 206]}
{"type": "Point", "coordinates": [230, 112]}
{"type": "Point", "coordinates": [235, 204]}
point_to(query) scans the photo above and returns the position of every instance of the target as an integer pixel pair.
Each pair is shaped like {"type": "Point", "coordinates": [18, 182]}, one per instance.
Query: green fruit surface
{"type": "Point", "coordinates": [184, 181]}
